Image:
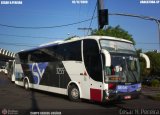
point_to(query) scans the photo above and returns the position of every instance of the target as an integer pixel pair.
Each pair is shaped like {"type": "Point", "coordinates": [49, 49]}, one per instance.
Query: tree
{"type": "Point", "coordinates": [114, 32]}
{"type": "Point", "coordinates": [155, 62]}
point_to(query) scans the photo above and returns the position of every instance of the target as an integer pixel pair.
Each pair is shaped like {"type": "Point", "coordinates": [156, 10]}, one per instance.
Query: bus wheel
{"type": "Point", "coordinates": [26, 85]}
{"type": "Point", "coordinates": [73, 93]}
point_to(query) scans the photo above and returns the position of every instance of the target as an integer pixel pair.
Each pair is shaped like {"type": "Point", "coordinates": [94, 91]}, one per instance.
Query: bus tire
{"type": "Point", "coordinates": [26, 84]}
{"type": "Point", "coordinates": [73, 93]}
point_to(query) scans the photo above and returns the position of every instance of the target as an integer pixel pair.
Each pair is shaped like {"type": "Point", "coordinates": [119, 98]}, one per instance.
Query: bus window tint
{"type": "Point", "coordinates": [23, 57]}
{"type": "Point", "coordinates": [70, 51]}
{"type": "Point", "coordinates": [92, 59]}
{"type": "Point", "coordinates": [65, 52]}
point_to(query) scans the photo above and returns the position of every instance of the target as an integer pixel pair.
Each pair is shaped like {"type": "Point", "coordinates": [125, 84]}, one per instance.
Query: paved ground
{"type": "Point", "coordinates": [150, 90]}
{"type": "Point", "coordinates": [14, 98]}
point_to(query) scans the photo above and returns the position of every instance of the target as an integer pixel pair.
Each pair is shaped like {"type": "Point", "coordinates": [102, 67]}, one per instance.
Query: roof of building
{"type": "Point", "coordinates": [6, 55]}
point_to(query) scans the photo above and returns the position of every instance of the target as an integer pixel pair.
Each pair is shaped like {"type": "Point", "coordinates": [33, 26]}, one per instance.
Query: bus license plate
{"type": "Point", "coordinates": [127, 97]}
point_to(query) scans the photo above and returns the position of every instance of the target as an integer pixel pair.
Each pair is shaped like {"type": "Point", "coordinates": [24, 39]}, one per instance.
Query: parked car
{"type": "Point", "coordinates": [2, 69]}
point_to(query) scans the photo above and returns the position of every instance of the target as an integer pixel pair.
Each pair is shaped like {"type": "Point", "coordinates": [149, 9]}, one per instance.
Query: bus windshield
{"type": "Point", "coordinates": [124, 68]}
{"type": "Point", "coordinates": [124, 62]}
{"type": "Point", "coordinates": [117, 46]}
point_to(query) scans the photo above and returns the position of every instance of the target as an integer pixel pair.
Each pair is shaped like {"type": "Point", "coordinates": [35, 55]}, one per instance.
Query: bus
{"type": "Point", "coordinates": [98, 68]}
{"type": "Point", "coordinates": [11, 69]}
{"type": "Point", "coordinates": [3, 67]}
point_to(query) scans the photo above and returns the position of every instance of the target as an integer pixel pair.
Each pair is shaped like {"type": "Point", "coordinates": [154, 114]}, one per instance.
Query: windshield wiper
{"type": "Point", "coordinates": [129, 70]}
{"type": "Point", "coordinates": [134, 76]}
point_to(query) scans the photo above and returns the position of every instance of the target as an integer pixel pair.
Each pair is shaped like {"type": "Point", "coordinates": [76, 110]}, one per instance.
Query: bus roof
{"type": "Point", "coordinates": [109, 38]}
{"type": "Point", "coordinates": [76, 39]}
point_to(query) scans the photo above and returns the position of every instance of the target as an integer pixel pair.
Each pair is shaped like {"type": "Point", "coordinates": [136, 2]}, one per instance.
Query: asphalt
{"type": "Point", "coordinates": [150, 90]}
{"type": "Point", "coordinates": [13, 97]}
{"type": "Point", "coordinates": [143, 102]}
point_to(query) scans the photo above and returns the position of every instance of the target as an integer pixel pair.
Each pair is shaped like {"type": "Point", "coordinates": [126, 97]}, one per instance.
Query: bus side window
{"type": "Point", "coordinates": [29, 58]}
{"type": "Point", "coordinates": [70, 51]}
{"type": "Point", "coordinates": [23, 58]}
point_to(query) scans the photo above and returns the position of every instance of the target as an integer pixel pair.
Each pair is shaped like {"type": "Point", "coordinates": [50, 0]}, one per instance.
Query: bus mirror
{"type": "Point", "coordinates": [146, 59]}
{"type": "Point", "coordinates": [107, 57]}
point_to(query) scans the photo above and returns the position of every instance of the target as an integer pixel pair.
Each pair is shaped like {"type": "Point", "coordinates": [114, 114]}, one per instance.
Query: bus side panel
{"type": "Point", "coordinates": [55, 75]}
{"type": "Point", "coordinates": [77, 72]}
{"type": "Point", "coordinates": [19, 75]}
{"type": "Point", "coordinates": [95, 94]}
{"type": "Point", "coordinates": [51, 75]}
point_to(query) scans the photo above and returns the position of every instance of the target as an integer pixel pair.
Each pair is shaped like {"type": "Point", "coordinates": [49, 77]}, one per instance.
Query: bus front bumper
{"type": "Point", "coordinates": [121, 96]}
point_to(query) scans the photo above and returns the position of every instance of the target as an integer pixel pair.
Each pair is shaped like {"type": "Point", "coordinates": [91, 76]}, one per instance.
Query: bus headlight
{"type": "Point", "coordinates": [107, 93]}
{"type": "Point", "coordinates": [139, 89]}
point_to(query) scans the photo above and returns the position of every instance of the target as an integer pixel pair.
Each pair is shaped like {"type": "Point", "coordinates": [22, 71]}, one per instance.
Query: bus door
{"type": "Point", "coordinates": [93, 65]}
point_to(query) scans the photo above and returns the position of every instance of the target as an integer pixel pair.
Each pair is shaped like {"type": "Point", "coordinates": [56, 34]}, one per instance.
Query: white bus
{"type": "Point", "coordinates": [11, 69]}
{"type": "Point", "coordinates": [98, 68]}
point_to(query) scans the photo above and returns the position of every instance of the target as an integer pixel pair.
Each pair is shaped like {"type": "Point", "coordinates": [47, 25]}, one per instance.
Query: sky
{"type": "Point", "coordinates": [47, 13]}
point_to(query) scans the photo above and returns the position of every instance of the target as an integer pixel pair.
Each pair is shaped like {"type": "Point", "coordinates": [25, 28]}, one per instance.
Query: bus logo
{"type": "Point", "coordinates": [60, 71]}
{"type": "Point", "coordinates": [38, 70]}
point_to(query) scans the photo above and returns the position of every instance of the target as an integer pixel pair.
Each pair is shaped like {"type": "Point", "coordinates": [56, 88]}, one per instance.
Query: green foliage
{"type": "Point", "coordinates": [114, 32]}
{"type": "Point", "coordinates": [155, 62]}
{"type": "Point", "coordinates": [155, 83]}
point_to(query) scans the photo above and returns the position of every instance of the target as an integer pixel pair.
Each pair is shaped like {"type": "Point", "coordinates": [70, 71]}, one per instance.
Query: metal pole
{"type": "Point", "coordinates": [158, 23]}
{"type": "Point", "coordinates": [100, 6]}
{"type": "Point", "coordinates": [142, 17]}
